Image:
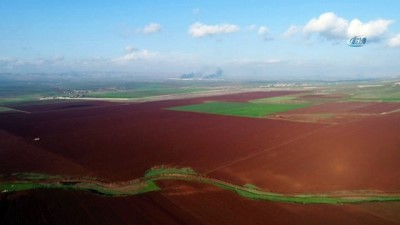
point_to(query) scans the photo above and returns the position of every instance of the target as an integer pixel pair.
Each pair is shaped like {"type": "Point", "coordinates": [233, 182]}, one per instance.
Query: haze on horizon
{"type": "Point", "coordinates": [241, 39]}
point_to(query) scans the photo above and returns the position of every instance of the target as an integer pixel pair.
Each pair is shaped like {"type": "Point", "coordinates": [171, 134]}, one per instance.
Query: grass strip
{"type": "Point", "coordinates": [148, 184]}
{"type": "Point", "coordinates": [246, 109]}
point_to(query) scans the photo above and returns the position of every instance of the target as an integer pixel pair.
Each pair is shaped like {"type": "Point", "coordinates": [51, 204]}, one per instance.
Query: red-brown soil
{"type": "Point", "coordinates": [361, 155]}
{"type": "Point", "coordinates": [229, 208]}
{"type": "Point", "coordinates": [68, 207]}
{"type": "Point", "coordinates": [19, 155]}
{"type": "Point", "coordinates": [123, 141]}
{"type": "Point", "coordinates": [61, 105]}
{"type": "Point", "coordinates": [120, 141]}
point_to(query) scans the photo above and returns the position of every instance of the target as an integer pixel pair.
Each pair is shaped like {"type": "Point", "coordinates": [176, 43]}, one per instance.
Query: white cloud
{"type": "Point", "coordinates": [273, 61]}
{"type": "Point", "coordinates": [327, 25]}
{"type": "Point", "coordinates": [330, 26]}
{"type": "Point", "coordinates": [291, 31]}
{"type": "Point", "coordinates": [394, 41]}
{"type": "Point", "coordinates": [151, 28]}
{"type": "Point", "coordinates": [134, 54]}
{"type": "Point", "coordinates": [201, 30]}
{"type": "Point", "coordinates": [371, 29]}
{"type": "Point", "coordinates": [128, 31]}
{"type": "Point", "coordinates": [264, 33]}
{"type": "Point", "coordinates": [262, 30]}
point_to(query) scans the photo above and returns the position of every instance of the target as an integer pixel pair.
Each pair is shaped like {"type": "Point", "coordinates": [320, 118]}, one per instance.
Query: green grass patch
{"type": "Point", "coordinates": [35, 176]}
{"type": "Point", "coordinates": [246, 109]}
{"type": "Point", "coordinates": [168, 170]}
{"type": "Point", "coordinates": [385, 93]}
{"type": "Point", "coordinates": [251, 186]}
{"type": "Point", "coordinates": [12, 187]}
{"type": "Point", "coordinates": [148, 184]}
{"type": "Point", "coordinates": [292, 199]}
{"type": "Point", "coordinates": [151, 186]}
{"type": "Point", "coordinates": [90, 187]}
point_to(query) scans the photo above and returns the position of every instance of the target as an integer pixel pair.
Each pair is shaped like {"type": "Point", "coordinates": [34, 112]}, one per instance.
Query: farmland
{"type": "Point", "coordinates": [238, 109]}
{"type": "Point", "coordinates": [142, 92]}
{"type": "Point", "coordinates": [384, 92]}
{"type": "Point", "coordinates": [257, 154]}
{"type": "Point", "coordinates": [33, 88]}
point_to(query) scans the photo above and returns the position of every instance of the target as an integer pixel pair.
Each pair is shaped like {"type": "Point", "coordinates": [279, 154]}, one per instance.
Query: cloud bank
{"type": "Point", "coordinates": [331, 26]}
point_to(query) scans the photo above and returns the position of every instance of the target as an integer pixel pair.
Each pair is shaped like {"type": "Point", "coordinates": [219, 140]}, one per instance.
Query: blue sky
{"type": "Point", "coordinates": [246, 39]}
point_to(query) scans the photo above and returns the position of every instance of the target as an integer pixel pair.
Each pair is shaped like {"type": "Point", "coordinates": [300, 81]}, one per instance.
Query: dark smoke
{"type": "Point", "coordinates": [216, 75]}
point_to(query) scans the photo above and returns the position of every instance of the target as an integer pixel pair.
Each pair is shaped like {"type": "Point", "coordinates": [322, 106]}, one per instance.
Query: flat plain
{"type": "Point", "coordinates": [324, 142]}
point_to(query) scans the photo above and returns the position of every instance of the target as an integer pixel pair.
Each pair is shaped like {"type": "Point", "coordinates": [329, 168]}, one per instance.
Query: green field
{"type": "Point", "coordinates": [385, 93]}
{"type": "Point", "coordinates": [246, 109]}
{"type": "Point", "coordinates": [168, 170]}
{"type": "Point", "coordinates": [14, 90]}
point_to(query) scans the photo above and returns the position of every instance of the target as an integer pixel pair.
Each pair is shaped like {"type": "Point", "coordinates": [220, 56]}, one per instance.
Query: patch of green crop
{"type": "Point", "coordinates": [251, 186]}
{"type": "Point", "coordinates": [384, 93]}
{"type": "Point", "coordinates": [238, 108]}
{"type": "Point", "coordinates": [35, 176]}
{"type": "Point", "coordinates": [148, 184]}
{"type": "Point", "coordinates": [168, 170]}
{"type": "Point", "coordinates": [148, 187]}
{"type": "Point", "coordinates": [151, 186]}
{"type": "Point", "coordinates": [293, 199]}
{"type": "Point", "coordinates": [94, 188]}
{"type": "Point", "coordinates": [12, 187]}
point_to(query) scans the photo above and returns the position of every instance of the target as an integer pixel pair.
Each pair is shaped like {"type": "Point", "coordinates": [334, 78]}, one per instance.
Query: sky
{"type": "Point", "coordinates": [241, 39]}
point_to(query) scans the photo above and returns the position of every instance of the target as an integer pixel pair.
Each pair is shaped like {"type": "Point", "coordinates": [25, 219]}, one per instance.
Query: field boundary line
{"type": "Point", "coordinates": [268, 149]}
